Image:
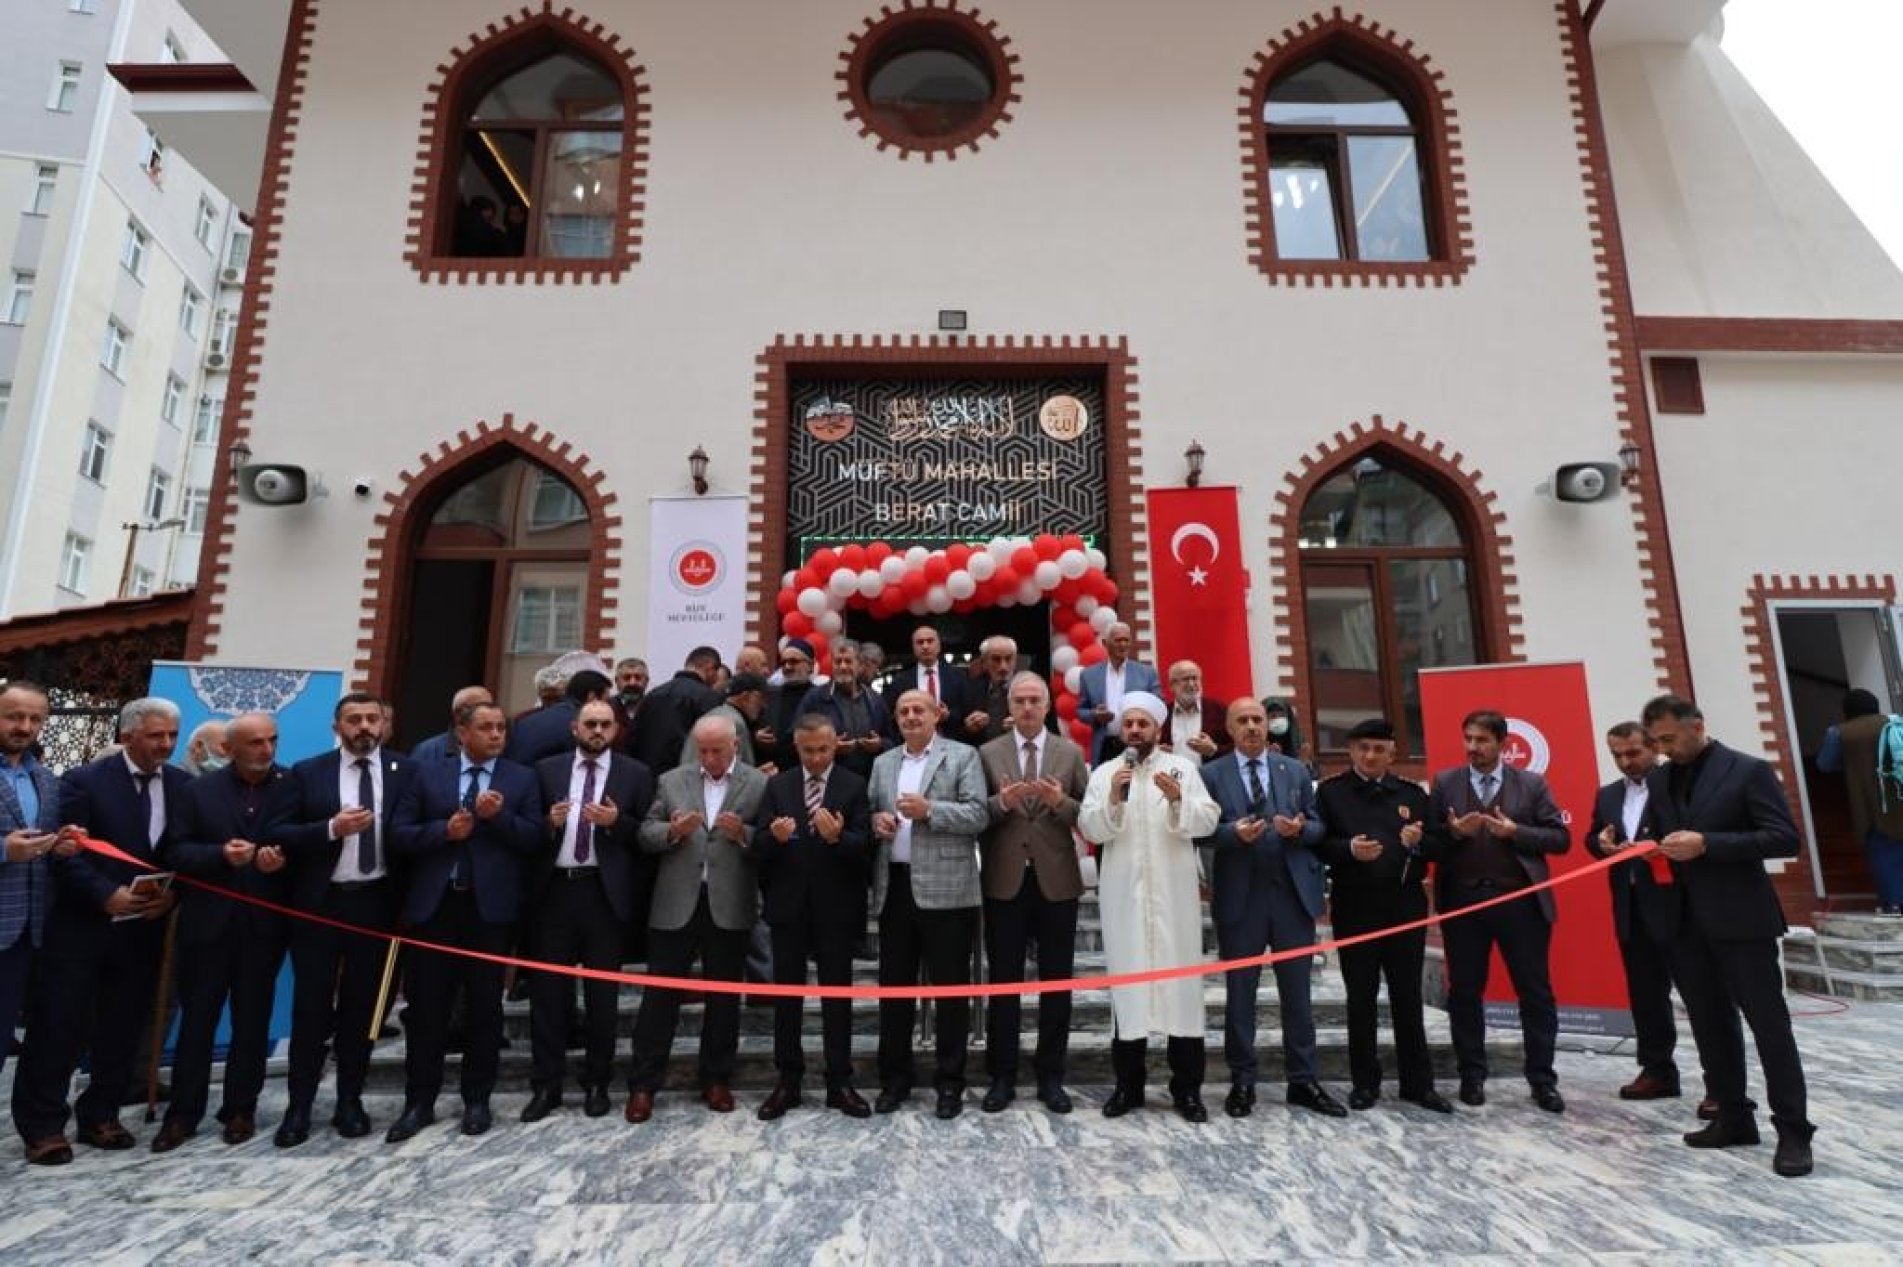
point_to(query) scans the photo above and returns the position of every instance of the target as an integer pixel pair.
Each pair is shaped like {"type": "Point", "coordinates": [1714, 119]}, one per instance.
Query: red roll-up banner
{"type": "Point", "coordinates": [1200, 587]}
{"type": "Point", "coordinates": [1549, 731]}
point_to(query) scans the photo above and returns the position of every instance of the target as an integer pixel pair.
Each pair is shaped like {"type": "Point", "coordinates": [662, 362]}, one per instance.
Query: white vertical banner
{"type": "Point", "coordinates": [697, 578]}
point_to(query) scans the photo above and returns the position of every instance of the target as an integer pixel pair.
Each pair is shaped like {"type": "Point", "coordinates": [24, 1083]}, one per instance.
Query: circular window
{"type": "Point", "coordinates": [929, 80]}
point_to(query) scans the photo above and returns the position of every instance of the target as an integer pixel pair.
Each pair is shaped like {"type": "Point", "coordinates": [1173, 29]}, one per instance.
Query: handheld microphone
{"type": "Point", "coordinates": [1130, 757]}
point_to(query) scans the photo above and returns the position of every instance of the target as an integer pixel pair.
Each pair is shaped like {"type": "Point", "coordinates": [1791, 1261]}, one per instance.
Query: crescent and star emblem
{"type": "Point", "coordinates": [1189, 531]}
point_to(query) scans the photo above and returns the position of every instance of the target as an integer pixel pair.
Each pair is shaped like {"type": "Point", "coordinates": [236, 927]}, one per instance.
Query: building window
{"type": "Point", "coordinates": [238, 254]}
{"type": "Point", "coordinates": [174, 398]}
{"type": "Point", "coordinates": [171, 52]}
{"type": "Point", "coordinates": [94, 451]}
{"type": "Point", "coordinates": [224, 332]}
{"type": "Point", "coordinates": [205, 420]}
{"type": "Point", "coordinates": [207, 223]}
{"type": "Point", "coordinates": [112, 352]}
{"type": "Point", "coordinates": [74, 557]}
{"type": "Point", "coordinates": [143, 581]}
{"type": "Point", "coordinates": [556, 503]}
{"type": "Point", "coordinates": [6, 402]}
{"type": "Point", "coordinates": [1387, 590]}
{"type": "Point", "coordinates": [45, 185]}
{"type": "Point", "coordinates": [191, 311]}
{"type": "Point", "coordinates": [158, 494]}
{"type": "Point", "coordinates": [152, 157]}
{"type": "Point", "coordinates": [538, 168]}
{"type": "Point", "coordinates": [65, 92]}
{"type": "Point", "coordinates": [1345, 176]}
{"type": "Point", "coordinates": [194, 508]}
{"type": "Point", "coordinates": [547, 619]}
{"type": "Point", "coordinates": [133, 250]}
{"type": "Point", "coordinates": [928, 79]}
{"type": "Point", "coordinates": [82, 6]}
{"type": "Point", "coordinates": [20, 299]}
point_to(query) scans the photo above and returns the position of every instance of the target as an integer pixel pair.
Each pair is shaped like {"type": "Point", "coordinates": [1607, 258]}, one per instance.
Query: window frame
{"type": "Point", "coordinates": [194, 507]}
{"type": "Point", "coordinates": [63, 96]}
{"type": "Point", "coordinates": [173, 400]}
{"type": "Point", "coordinates": [134, 250]}
{"type": "Point", "coordinates": [205, 229]}
{"type": "Point", "coordinates": [45, 189]}
{"type": "Point", "coordinates": [191, 311]}
{"type": "Point", "coordinates": [95, 452]}
{"type": "Point", "coordinates": [158, 494]}
{"type": "Point", "coordinates": [20, 298]}
{"type": "Point", "coordinates": [75, 563]}
{"type": "Point", "coordinates": [114, 349]}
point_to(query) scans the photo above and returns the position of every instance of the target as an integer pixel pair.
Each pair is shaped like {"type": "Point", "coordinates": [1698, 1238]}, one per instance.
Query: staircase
{"type": "Point", "coordinates": [1849, 956]}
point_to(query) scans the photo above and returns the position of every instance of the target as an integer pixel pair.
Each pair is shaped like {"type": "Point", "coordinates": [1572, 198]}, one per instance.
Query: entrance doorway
{"type": "Point", "coordinates": [1824, 649]}
{"type": "Point", "coordinates": [1029, 627]}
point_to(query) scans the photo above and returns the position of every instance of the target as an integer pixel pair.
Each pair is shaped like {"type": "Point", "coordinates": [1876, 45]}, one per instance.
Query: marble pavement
{"type": "Point", "coordinates": [1608, 1181]}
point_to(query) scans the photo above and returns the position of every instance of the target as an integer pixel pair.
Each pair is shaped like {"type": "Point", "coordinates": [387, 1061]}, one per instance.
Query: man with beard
{"type": "Point", "coordinates": [857, 715]}
{"type": "Point", "coordinates": [774, 738]}
{"type": "Point", "coordinates": [29, 822]}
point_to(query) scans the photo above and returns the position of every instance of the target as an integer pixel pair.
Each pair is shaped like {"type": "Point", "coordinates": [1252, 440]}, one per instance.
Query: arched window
{"type": "Point", "coordinates": [1345, 166]}
{"type": "Point", "coordinates": [537, 158]}
{"type": "Point", "coordinates": [1387, 590]}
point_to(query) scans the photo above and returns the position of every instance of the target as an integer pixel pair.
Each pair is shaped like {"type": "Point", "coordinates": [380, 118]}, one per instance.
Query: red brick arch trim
{"type": "Point", "coordinates": [253, 323]}
{"type": "Point", "coordinates": [1482, 524]}
{"type": "Point", "coordinates": [1423, 88]}
{"type": "Point", "coordinates": [1796, 885]}
{"type": "Point", "coordinates": [476, 59]}
{"type": "Point", "coordinates": [421, 489]}
{"type": "Point", "coordinates": [914, 18]}
{"type": "Point", "coordinates": [1127, 517]}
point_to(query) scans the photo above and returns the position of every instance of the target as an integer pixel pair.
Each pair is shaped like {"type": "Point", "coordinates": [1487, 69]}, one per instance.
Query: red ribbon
{"type": "Point", "coordinates": [768, 990]}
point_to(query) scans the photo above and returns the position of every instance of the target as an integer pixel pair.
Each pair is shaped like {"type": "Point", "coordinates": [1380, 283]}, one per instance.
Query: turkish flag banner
{"type": "Point", "coordinates": [1200, 587]}
{"type": "Point", "coordinates": [1550, 732]}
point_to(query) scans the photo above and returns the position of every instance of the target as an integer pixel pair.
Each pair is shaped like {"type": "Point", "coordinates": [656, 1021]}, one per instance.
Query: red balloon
{"type": "Point", "coordinates": [1107, 592]}
{"type": "Point", "coordinates": [1006, 580]}
{"type": "Point", "coordinates": [1080, 734]}
{"type": "Point", "coordinates": [854, 557]}
{"type": "Point", "coordinates": [1067, 707]}
{"type": "Point", "coordinates": [797, 624]}
{"type": "Point", "coordinates": [1047, 546]}
{"type": "Point", "coordinates": [915, 585]}
{"type": "Point", "coordinates": [957, 555]}
{"type": "Point", "coordinates": [1082, 635]}
{"type": "Point", "coordinates": [1023, 560]}
{"type": "Point", "coordinates": [878, 552]}
{"type": "Point", "coordinates": [1093, 654]}
{"type": "Point", "coordinates": [824, 560]}
{"type": "Point", "coordinates": [806, 579]}
{"type": "Point", "coordinates": [1069, 591]}
{"type": "Point", "coordinates": [937, 569]}
{"type": "Point", "coordinates": [1072, 542]}
{"type": "Point", "coordinates": [787, 601]}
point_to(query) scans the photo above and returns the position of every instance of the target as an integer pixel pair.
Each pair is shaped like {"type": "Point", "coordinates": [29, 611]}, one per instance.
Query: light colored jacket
{"type": "Point", "coordinates": [945, 843]}
{"type": "Point", "coordinates": [733, 890]}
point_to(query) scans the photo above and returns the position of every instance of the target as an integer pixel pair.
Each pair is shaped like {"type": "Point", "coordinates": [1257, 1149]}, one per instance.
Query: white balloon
{"type": "Point", "coordinates": [786, 582]}
{"type": "Point", "coordinates": [982, 566]}
{"type": "Point", "coordinates": [813, 602]}
{"type": "Point", "coordinates": [1001, 549]}
{"type": "Point", "coordinates": [871, 584]}
{"type": "Point", "coordinates": [1029, 593]}
{"type": "Point", "coordinates": [1072, 564]}
{"type": "Point", "coordinates": [843, 583]}
{"type": "Point", "coordinates": [918, 608]}
{"type": "Point", "coordinates": [1064, 659]}
{"type": "Point", "coordinates": [1096, 558]}
{"type": "Point", "coordinates": [830, 623]}
{"type": "Point", "coordinates": [1074, 678]}
{"type": "Point", "coordinates": [1008, 600]}
{"type": "Point", "coordinates": [1102, 619]}
{"type": "Point", "coordinates": [1059, 640]}
{"type": "Point", "coordinates": [1047, 577]}
{"type": "Point", "coordinates": [960, 585]}
{"type": "Point", "coordinates": [938, 600]}
{"type": "Point", "coordinates": [1086, 606]}
{"type": "Point", "coordinates": [916, 556]}
{"type": "Point", "coordinates": [892, 571]}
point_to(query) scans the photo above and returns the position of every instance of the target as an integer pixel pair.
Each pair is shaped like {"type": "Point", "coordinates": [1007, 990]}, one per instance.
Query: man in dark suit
{"type": "Point", "coordinates": [706, 901]}
{"type": "Point", "coordinates": [811, 838]}
{"type": "Point", "coordinates": [950, 687]}
{"type": "Point", "coordinates": [1720, 815]}
{"type": "Point", "coordinates": [988, 706]}
{"type": "Point", "coordinates": [96, 977]}
{"type": "Point", "coordinates": [859, 717]}
{"type": "Point", "coordinates": [437, 747]}
{"type": "Point", "coordinates": [228, 951]}
{"type": "Point", "coordinates": [669, 711]}
{"type": "Point", "coordinates": [1266, 890]}
{"type": "Point", "coordinates": [1032, 883]}
{"type": "Point", "coordinates": [337, 836]}
{"type": "Point", "coordinates": [29, 824]}
{"type": "Point", "coordinates": [466, 826]}
{"type": "Point", "coordinates": [1645, 910]}
{"type": "Point", "coordinates": [1377, 849]}
{"type": "Point", "coordinates": [1499, 823]}
{"type": "Point", "coordinates": [774, 738]}
{"type": "Point", "coordinates": [582, 898]}
{"type": "Point", "coordinates": [550, 732]}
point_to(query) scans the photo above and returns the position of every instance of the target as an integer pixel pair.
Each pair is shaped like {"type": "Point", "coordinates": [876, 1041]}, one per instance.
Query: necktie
{"type": "Point", "coordinates": [1256, 795]}
{"type": "Point", "coordinates": [145, 808]}
{"type": "Point", "coordinates": [457, 873]}
{"type": "Point", "coordinates": [366, 799]}
{"type": "Point", "coordinates": [1030, 760]}
{"type": "Point", "coordinates": [1487, 783]}
{"type": "Point", "coordinates": [584, 830]}
{"type": "Point", "coordinates": [815, 796]}
{"type": "Point", "coordinates": [931, 680]}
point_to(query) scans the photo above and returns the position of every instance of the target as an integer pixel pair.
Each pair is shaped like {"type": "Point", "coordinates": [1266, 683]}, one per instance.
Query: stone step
{"type": "Point", "coordinates": [1865, 986]}
{"type": "Point", "coordinates": [1847, 956]}
{"type": "Point", "coordinates": [1860, 926]}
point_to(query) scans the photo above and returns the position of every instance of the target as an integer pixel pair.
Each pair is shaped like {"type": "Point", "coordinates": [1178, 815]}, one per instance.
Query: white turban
{"type": "Point", "coordinates": [1144, 702]}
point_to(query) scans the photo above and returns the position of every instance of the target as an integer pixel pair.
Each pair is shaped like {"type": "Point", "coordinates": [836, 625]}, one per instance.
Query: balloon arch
{"type": "Point", "coordinates": [886, 580]}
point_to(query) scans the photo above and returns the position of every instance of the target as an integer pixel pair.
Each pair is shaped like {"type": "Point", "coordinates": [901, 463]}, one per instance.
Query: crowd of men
{"type": "Point", "coordinates": [692, 826]}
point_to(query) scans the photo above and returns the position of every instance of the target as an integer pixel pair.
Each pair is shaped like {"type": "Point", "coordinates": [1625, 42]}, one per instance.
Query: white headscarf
{"type": "Point", "coordinates": [1144, 702]}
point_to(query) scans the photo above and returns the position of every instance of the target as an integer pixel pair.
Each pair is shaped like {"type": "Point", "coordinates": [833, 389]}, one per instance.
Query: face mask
{"type": "Point", "coordinates": [1278, 725]}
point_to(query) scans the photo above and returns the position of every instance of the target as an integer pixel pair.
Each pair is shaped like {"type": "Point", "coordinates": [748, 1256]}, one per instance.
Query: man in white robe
{"type": "Point", "coordinates": [1146, 808]}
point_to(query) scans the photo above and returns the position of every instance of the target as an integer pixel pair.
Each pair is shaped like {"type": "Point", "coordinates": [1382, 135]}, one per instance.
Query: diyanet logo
{"type": "Point", "coordinates": [696, 567]}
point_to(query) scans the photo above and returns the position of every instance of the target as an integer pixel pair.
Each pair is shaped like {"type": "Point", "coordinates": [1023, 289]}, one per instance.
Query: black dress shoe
{"type": "Point", "coordinates": [1549, 1099]}
{"type": "Point", "coordinates": [999, 1095]}
{"type": "Point", "coordinates": [1708, 1110]}
{"type": "Point", "coordinates": [891, 1099]}
{"type": "Point", "coordinates": [1240, 1102]}
{"type": "Point", "coordinates": [172, 1133]}
{"type": "Point", "coordinates": [1313, 1096]}
{"type": "Point", "coordinates": [1123, 1100]}
{"type": "Point", "coordinates": [951, 1102]}
{"type": "Point", "coordinates": [1190, 1108]}
{"type": "Point", "coordinates": [542, 1102]}
{"type": "Point", "coordinates": [350, 1120]}
{"type": "Point", "coordinates": [1055, 1098]}
{"type": "Point", "coordinates": [108, 1135]}
{"type": "Point", "coordinates": [595, 1101]}
{"type": "Point", "coordinates": [783, 1097]}
{"type": "Point", "coordinates": [1647, 1087]}
{"type": "Point", "coordinates": [295, 1128]}
{"type": "Point", "coordinates": [1473, 1092]}
{"type": "Point", "coordinates": [1431, 1100]}
{"type": "Point", "coordinates": [1793, 1157]}
{"type": "Point", "coordinates": [1362, 1098]}
{"type": "Point", "coordinates": [1720, 1134]}
{"type": "Point", "coordinates": [848, 1101]}
{"type": "Point", "coordinates": [239, 1127]}
{"type": "Point", "coordinates": [413, 1119]}
{"type": "Point", "coordinates": [476, 1118]}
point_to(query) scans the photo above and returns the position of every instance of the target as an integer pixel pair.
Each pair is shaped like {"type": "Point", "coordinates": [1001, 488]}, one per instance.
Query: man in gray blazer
{"type": "Point", "coordinates": [1499, 823]}
{"type": "Point", "coordinates": [706, 899]}
{"type": "Point", "coordinates": [1031, 884]}
{"type": "Point", "coordinates": [928, 806]}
